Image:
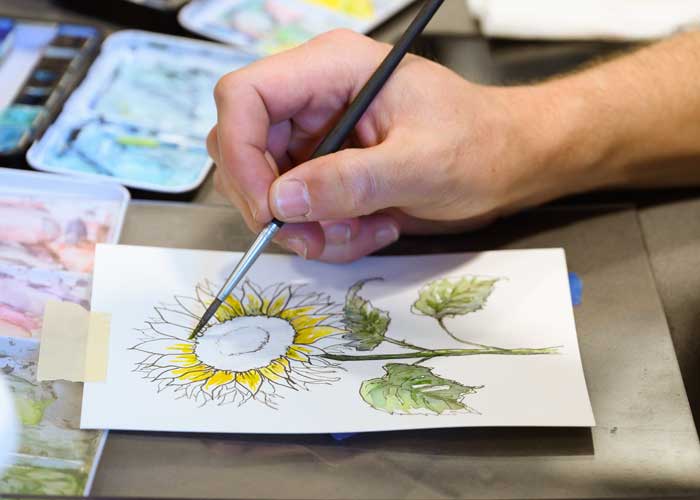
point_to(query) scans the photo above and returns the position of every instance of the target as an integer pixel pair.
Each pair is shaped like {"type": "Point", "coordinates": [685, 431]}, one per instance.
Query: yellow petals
{"type": "Point", "coordinates": [185, 348]}
{"type": "Point", "coordinates": [296, 354]}
{"type": "Point", "coordinates": [311, 335]}
{"type": "Point", "coordinates": [253, 305]}
{"type": "Point", "coordinates": [290, 314]}
{"type": "Point", "coordinates": [251, 380]}
{"type": "Point", "coordinates": [231, 308]}
{"type": "Point", "coordinates": [218, 379]}
{"type": "Point", "coordinates": [188, 374]}
{"type": "Point", "coordinates": [187, 360]}
{"type": "Point", "coordinates": [301, 322]}
{"type": "Point", "coordinates": [277, 303]}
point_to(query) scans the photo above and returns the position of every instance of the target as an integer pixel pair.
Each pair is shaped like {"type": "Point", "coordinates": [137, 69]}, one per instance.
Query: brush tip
{"type": "Point", "coordinates": [211, 310]}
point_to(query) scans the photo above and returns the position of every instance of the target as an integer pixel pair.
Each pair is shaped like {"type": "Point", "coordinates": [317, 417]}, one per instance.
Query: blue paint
{"type": "Point", "coordinates": [576, 286]}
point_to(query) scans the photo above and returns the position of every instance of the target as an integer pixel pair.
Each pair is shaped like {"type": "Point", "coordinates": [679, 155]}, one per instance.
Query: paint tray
{"type": "Point", "coordinates": [263, 27]}
{"type": "Point", "coordinates": [142, 114]}
{"type": "Point", "coordinates": [40, 64]}
{"type": "Point", "coordinates": [57, 219]}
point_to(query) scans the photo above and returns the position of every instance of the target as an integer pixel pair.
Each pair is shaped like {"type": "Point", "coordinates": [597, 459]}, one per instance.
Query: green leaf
{"type": "Point", "coordinates": [415, 389]}
{"type": "Point", "coordinates": [365, 323]}
{"type": "Point", "coordinates": [450, 297]}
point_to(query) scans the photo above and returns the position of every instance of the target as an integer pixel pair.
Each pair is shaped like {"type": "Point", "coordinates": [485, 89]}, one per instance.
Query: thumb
{"type": "Point", "coordinates": [349, 183]}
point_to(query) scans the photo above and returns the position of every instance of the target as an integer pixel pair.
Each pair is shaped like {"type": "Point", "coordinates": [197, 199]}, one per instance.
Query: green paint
{"type": "Point", "coordinates": [450, 297]}
{"type": "Point", "coordinates": [138, 141]}
{"type": "Point", "coordinates": [33, 480]}
{"type": "Point", "coordinates": [365, 323]}
{"type": "Point", "coordinates": [438, 353]}
{"type": "Point", "coordinates": [31, 412]}
{"type": "Point", "coordinates": [411, 389]}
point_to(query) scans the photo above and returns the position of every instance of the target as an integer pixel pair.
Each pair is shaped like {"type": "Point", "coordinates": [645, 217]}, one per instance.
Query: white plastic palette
{"type": "Point", "coordinates": [141, 116]}
{"type": "Point", "coordinates": [263, 27]}
{"type": "Point", "coordinates": [54, 456]}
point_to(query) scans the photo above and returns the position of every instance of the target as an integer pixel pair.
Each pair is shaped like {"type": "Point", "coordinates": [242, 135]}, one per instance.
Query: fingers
{"type": "Point", "coordinates": [349, 183]}
{"type": "Point", "coordinates": [310, 84]}
{"type": "Point", "coordinates": [341, 240]}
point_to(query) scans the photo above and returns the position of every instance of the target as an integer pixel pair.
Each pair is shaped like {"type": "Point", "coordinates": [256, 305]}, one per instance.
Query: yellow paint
{"type": "Point", "coordinates": [187, 360]}
{"type": "Point", "coordinates": [218, 379]}
{"type": "Point", "coordinates": [188, 374]}
{"type": "Point", "coordinates": [251, 380]}
{"type": "Point", "coordinates": [302, 322]}
{"type": "Point", "coordinates": [356, 8]}
{"type": "Point", "coordinates": [290, 314]}
{"type": "Point", "coordinates": [293, 353]}
{"type": "Point", "coordinates": [184, 348]}
{"type": "Point", "coordinates": [311, 335]}
{"type": "Point", "coordinates": [278, 303]}
{"type": "Point", "coordinates": [253, 305]}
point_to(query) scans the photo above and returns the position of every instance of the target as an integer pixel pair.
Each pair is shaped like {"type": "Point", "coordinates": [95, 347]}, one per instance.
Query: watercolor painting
{"type": "Point", "coordinates": [142, 114]}
{"type": "Point", "coordinates": [265, 340]}
{"type": "Point", "coordinates": [47, 251]}
{"type": "Point", "coordinates": [50, 232]}
{"type": "Point", "coordinates": [25, 291]}
{"type": "Point", "coordinates": [266, 27]}
{"type": "Point", "coordinates": [55, 456]}
{"type": "Point", "coordinates": [386, 343]}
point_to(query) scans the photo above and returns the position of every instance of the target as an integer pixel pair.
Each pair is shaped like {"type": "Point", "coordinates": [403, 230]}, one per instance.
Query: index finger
{"type": "Point", "coordinates": [309, 84]}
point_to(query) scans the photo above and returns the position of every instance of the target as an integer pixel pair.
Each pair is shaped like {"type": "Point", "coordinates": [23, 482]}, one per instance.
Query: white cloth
{"type": "Point", "coordinates": [8, 426]}
{"type": "Point", "coordinates": [585, 19]}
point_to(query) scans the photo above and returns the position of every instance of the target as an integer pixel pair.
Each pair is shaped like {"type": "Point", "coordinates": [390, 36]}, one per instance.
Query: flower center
{"type": "Point", "coordinates": [245, 343]}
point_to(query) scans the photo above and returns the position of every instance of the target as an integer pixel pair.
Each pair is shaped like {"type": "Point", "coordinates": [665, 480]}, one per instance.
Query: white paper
{"type": "Point", "coordinates": [158, 380]}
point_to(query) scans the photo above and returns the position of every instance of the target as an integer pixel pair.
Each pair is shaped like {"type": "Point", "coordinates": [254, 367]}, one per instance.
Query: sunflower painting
{"type": "Point", "coordinates": [266, 342]}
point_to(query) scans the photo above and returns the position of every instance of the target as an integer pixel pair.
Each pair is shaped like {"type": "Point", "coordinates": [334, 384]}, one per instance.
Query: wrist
{"type": "Point", "coordinates": [558, 146]}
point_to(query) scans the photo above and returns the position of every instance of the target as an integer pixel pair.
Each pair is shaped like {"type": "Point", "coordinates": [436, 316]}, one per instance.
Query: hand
{"type": "Point", "coordinates": [432, 154]}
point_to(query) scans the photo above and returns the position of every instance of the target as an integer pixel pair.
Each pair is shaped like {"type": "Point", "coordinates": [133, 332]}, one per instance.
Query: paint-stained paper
{"type": "Point", "coordinates": [386, 343]}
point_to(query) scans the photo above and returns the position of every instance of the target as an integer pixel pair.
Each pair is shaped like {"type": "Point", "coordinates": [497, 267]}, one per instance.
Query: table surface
{"type": "Point", "coordinates": [644, 443]}
{"type": "Point", "coordinates": [639, 267]}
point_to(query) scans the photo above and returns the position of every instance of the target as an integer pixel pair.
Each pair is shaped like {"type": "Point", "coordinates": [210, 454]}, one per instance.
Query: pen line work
{"type": "Point", "coordinates": [266, 343]}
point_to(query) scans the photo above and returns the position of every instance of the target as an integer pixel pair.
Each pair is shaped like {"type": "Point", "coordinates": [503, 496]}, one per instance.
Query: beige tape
{"type": "Point", "coordinates": [74, 344]}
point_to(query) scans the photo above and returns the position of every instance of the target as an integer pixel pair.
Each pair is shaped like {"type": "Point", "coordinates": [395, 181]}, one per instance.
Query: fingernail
{"type": "Point", "coordinates": [386, 235]}
{"type": "Point", "coordinates": [292, 198]}
{"type": "Point", "coordinates": [298, 246]}
{"type": "Point", "coordinates": [338, 234]}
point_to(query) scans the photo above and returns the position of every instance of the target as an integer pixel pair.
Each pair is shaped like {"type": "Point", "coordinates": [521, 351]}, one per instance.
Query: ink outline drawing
{"type": "Point", "coordinates": [267, 342]}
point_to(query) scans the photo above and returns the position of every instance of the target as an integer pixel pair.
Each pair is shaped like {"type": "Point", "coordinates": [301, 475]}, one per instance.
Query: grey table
{"type": "Point", "coordinates": [645, 442]}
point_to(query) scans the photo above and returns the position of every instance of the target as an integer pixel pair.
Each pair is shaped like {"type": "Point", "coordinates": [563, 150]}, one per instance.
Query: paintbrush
{"type": "Point", "coordinates": [332, 143]}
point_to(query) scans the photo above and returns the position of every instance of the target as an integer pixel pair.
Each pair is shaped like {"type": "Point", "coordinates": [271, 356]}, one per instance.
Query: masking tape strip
{"type": "Point", "coordinates": [74, 344]}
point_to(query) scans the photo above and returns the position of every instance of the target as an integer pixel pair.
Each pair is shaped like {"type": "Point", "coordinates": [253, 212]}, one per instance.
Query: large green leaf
{"type": "Point", "coordinates": [365, 323]}
{"type": "Point", "coordinates": [449, 297]}
{"type": "Point", "coordinates": [415, 389]}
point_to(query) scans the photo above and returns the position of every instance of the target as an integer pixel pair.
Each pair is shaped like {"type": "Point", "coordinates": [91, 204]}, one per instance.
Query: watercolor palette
{"type": "Point", "coordinates": [55, 457]}
{"type": "Point", "coordinates": [142, 114]}
{"type": "Point", "coordinates": [40, 64]}
{"type": "Point", "coordinates": [264, 27]}
{"type": "Point", "coordinates": [49, 227]}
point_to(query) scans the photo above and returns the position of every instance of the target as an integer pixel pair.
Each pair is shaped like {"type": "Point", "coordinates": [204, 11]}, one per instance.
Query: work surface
{"type": "Point", "coordinates": [645, 442]}
{"type": "Point", "coordinates": [639, 268]}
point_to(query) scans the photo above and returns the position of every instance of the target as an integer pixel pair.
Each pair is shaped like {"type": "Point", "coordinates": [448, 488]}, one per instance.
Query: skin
{"type": "Point", "coordinates": [436, 153]}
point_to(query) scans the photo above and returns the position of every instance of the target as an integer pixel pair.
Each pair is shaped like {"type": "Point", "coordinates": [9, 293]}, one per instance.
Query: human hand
{"type": "Point", "coordinates": [432, 154]}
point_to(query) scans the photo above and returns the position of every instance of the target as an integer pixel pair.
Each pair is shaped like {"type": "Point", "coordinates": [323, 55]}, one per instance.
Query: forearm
{"type": "Point", "coordinates": [630, 122]}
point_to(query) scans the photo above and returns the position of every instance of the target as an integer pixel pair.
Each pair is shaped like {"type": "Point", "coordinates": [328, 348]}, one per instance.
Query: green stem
{"type": "Point", "coordinates": [441, 322]}
{"type": "Point", "coordinates": [405, 344]}
{"type": "Point", "coordinates": [437, 353]}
